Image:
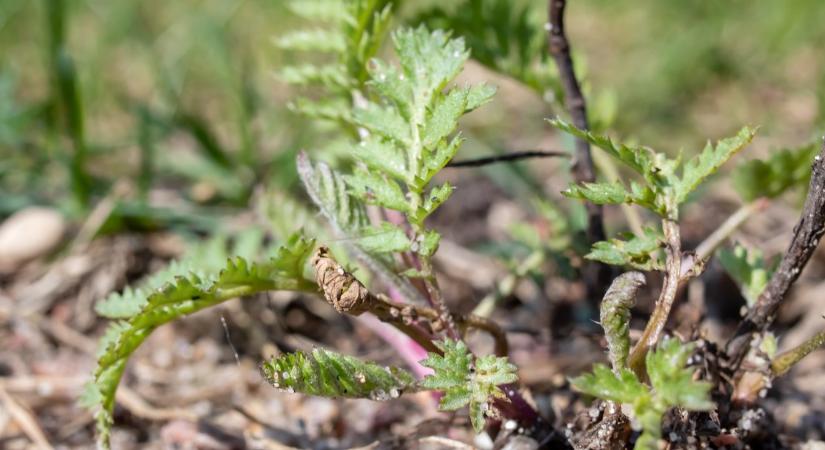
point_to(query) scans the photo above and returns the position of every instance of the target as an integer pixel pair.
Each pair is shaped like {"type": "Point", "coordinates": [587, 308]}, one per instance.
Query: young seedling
{"type": "Point", "coordinates": [405, 139]}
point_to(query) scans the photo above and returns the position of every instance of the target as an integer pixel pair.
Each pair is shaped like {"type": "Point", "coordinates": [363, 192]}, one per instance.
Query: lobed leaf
{"type": "Point", "coordinates": [329, 374]}
{"type": "Point", "coordinates": [377, 190]}
{"type": "Point", "coordinates": [183, 296]}
{"type": "Point", "coordinates": [599, 193]}
{"type": "Point", "coordinates": [385, 238]}
{"type": "Point", "coordinates": [672, 380]}
{"type": "Point", "coordinates": [783, 170]}
{"type": "Point", "coordinates": [703, 165]}
{"type": "Point", "coordinates": [312, 40]}
{"type": "Point", "coordinates": [328, 190]}
{"type": "Point", "coordinates": [672, 385]}
{"type": "Point", "coordinates": [621, 387]}
{"type": "Point", "coordinates": [467, 381]}
{"type": "Point", "coordinates": [748, 268]}
{"type": "Point", "coordinates": [506, 37]}
{"type": "Point", "coordinates": [639, 252]}
{"type": "Point", "coordinates": [642, 160]}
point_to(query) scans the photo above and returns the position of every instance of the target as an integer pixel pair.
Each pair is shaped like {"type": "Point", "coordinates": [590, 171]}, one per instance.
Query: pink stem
{"type": "Point", "coordinates": [408, 349]}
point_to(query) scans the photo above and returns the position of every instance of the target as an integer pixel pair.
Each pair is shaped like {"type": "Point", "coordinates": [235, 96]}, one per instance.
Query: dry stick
{"type": "Point", "coordinates": [658, 320]}
{"type": "Point", "coordinates": [712, 242]}
{"type": "Point", "coordinates": [508, 157]}
{"type": "Point", "coordinates": [596, 275]}
{"type": "Point", "coordinates": [25, 420]}
{"type": "Point", "coordinates": [348, 296]}
{"type": "Point", "coordinates": [807, 233]}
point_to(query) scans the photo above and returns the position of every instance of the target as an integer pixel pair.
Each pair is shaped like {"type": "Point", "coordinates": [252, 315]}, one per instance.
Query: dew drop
{"type": "Point", "coordinates": [379, 395]}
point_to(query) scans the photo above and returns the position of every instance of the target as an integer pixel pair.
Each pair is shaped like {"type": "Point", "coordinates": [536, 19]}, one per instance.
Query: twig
{"type": "Point", "coordinates": [597, 275]}
{"type": "Point", "coordinates": [661, 312]}
{"type": "Point", "coordinates": [348, 296]}
{"type": "Point", "coordinates": [25, 420]}
{"type": "Point", "coordinates": [706, 248]}
{"type": "Point", "coordinates": [136, 405]}
{"type": "Point", "coordinates": [807, 233]}
{"type": "Point", "coordinates": [783, 363]}
{"type": "Point", "coordinates": [508, 157]}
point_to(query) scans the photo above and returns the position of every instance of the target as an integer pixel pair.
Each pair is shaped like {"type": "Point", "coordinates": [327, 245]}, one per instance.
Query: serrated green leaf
{"type": "Point", "coordinates": [639, 252]}
{"type": "Point", "coordinates": [330, 75]}
{"type": "Point", "coordinates": [672, 385]}
{"type": "Point", "coordinates": [383, 157]}
{"type": "Point", "coordinates": [783, 170]}
{"type": "Point", "coordinates": [427, 243]}
{"type": "Point", "coordinates": [748, 268]}
{"type": "Point", "coordinates": [599, 193]}
{"type": "Point", "coordinates": [383, 121]}
{"type": "Point", "coordinates": [329, 192]}
{"type": "Point", "coordinates": [466, 380]}
{"type": "Point", "coordinates": [455, 398]}
{"type": "Point", "coordinates": [604, 384]}
{"type": "Point", "coordinates": [312, 40]}
{"type": "Point", "coordinates": [672, 381]}
{"type": "Point", "coordinates": [506, 36]}
{"type": "Point", "coordinates": [642, 160]}
{"type": "Point", "coordinates": [201, 259]}
{"type": "Point", "coordinates": [444, 152]}
{"type": "Point", "coordinates": [703, 165]}
{"type": "Point", "coordinates": [428, 59]}
{"type": "Point", "coordinates": [352, 29]}
{"type": "Point", "coordinates": [376, 190]}
{"type": "Point", "coordinates": [183, 296]}
{"type": "Point", "coordinates": [443, 117]}
{"type": "Point", "coordinates": [494, 371]}
{"type": "Point", "coordinates": [321, 10]}
{"type": "Point", "coordinates": [385, 238]}
{"type": "Point", "coordinates": [479, 95]}
{"type": "Point", "coordinates": [329, 374]}
{"type": "Point", "coordinates": [435, 198]}
{"type": "Point", "coordinates": [334, 109]}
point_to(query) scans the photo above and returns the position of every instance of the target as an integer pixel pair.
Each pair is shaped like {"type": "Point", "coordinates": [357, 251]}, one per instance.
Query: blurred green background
{"type": "Point", "coordinates": [178, 100]}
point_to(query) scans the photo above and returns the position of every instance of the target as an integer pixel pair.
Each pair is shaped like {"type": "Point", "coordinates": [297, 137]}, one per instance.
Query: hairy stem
{"type": "Point", "coordinates": [783, 363]}
{"type": "Point", "coordinates": [658, 320]}
{"type": "Point", "coordinates": [596, 275]}
{"type": "Point", "coordinates": [445, 315]}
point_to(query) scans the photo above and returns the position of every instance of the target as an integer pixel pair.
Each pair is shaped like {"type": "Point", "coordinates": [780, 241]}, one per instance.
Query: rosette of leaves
{"type": "Point", "coordinates": [672, 385]}
{"type": "Point", "coordinates": [467, 380]}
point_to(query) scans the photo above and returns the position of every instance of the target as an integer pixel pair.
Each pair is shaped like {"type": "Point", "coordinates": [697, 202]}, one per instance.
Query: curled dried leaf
{"type": "Point", "coordinates": [341, 289]}
{"type": "Point", "coordinates": [615, 315]}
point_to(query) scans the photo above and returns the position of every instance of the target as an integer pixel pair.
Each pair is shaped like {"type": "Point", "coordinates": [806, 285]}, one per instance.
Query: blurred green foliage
{"type": "Point", "coordinates": [182, 97]}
